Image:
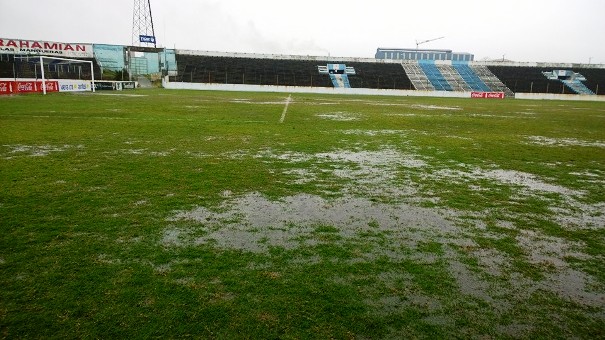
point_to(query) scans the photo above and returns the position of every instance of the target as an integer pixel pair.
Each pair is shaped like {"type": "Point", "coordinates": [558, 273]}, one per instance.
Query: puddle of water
{"type": "Point", "coordinates": [436, 107]}
{"type": "Point", "coordinates": [370, 172]}
{"type": "Point", "coordinates": [373, 133]}
{"type": "Point", "coordinates": [580, 215]}
{"type": "Point", "coordinates": [573, 285]}
{"type": "Point", "coordinates": [369, 160]}
{"type": "Point", "coordinates": [339, 116]}
{"type": "Point", "coordinates": [554, 252]}
{"type": "Point", "coordinates": [510, 177]}
{"type": "Point", "coordinates": [546, 141]}
{"type": "Point", "coordinates": [468, 282]}
{"type": "Point", "coordinates": [250, 101]}
{"type": "Point", "coordinates": [527, 180]}
{"type": "Point", "coordinates": [37, 150]}
{"type": "Point", "coordinates": [254, 223]}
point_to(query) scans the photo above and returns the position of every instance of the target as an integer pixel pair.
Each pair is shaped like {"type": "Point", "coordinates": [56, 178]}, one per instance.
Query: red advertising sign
{"type": "Point", "coordinates": [489, 95]}
{"type": "Point", "coordinates": [51, 86]}
{"type": "Point", "coordinates": [6, 87]}
{"type": "Point", "coordinates": [25, 86]}
{"type": "Point", "coordinates": [495, 95]}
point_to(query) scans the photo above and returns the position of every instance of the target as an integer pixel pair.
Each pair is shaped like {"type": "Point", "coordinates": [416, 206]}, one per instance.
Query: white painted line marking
{"type": "Point", "coordinates": [283, 114]}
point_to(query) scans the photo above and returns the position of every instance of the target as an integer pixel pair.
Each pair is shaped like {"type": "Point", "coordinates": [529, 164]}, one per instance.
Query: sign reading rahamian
{"type": "Point", "coordinates": [36, 47]}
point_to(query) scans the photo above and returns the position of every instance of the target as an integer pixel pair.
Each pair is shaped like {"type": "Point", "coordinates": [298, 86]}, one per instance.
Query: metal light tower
{"type": "Point", "coordinates": [143, 33]}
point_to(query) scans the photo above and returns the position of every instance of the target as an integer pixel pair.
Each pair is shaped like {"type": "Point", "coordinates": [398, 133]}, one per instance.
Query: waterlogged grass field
{"type": "Point", "coordinates": [175, 214]}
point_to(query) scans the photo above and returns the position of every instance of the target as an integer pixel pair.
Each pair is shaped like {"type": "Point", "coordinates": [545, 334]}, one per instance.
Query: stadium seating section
{"type": "Point", "coordinates": [229, 70]}
{"type": "Point", "coordinates": [532, 79]}
{"type": "Point", "coordinates": [424, 76]}
{"type": "Point", "coordinates": [406, 75]}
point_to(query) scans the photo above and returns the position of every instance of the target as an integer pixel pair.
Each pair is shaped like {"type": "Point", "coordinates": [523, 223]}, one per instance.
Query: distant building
{"type": "Point", "coordinates": [422, 54]}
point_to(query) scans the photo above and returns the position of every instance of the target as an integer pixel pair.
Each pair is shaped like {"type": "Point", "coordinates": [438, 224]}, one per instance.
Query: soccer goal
{"type": "Point", "coordinates": [59, 63]}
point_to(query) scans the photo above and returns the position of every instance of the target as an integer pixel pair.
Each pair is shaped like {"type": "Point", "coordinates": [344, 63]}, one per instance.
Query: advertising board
{"type": "Point", "coordinates": [488, 95]}
{"type": "Point", "coordinates": [27, 86]}
{"type": "Point", "coordinates": [147, 39]}
{"type": "Point", "coordinates": [6, 87]}
{"type": "Point", "coordinates": [74, 85]}
{"type": "Point", "coordinates": [50, 48]}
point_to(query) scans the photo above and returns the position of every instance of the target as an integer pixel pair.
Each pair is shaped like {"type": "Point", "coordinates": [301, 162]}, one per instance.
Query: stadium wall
{"type": "Point", "coordinates": [552, 96]}
{"type": "Point", "coordinates": [317, 90]}
{"type": "Point", "coordinates": [360, 91]}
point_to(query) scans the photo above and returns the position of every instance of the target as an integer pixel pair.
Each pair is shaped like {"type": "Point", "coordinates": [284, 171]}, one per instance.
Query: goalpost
{"type": "Point", "coordinates": [92, 72]}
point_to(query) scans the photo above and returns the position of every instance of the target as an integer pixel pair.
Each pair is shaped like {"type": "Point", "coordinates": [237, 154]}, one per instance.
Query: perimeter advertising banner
{"type": "Point", "coordinates": [50, 48]}
{"type": "Point", "coordinates": [27, 86]}
{"type": "Point", "coordinates": [6, 87]}
{"type": "Point", "coordinates": [488, 95]}
{"type": "Point", "coordinates": [74, 85]}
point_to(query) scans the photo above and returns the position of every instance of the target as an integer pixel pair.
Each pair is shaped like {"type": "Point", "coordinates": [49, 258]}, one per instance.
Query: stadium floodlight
{"type": "Point", "coordinates": [92, 72]}
{"type": "Point", "coordinates": [142, 24]}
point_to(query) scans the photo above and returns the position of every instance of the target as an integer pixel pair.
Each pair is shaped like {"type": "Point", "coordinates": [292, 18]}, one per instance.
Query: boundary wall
{"type": "Point", "coordinates": [24, 85]}
{"type": "Point", "coordinates": [552, 96]}
{"type": "Point", "coordinates": [316, 90]}
{"type": "Point", "coordinates": [371, 92]}
{"type": "Point", "coordinates": [12, 86]}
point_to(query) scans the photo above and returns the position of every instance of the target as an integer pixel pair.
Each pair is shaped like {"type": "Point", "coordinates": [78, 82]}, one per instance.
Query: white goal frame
{"type": "Point", "coordinates": [92, 71]}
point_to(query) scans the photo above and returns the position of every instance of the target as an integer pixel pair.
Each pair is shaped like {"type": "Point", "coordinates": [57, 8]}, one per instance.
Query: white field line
{"type": "Point", "coordinates": [283, 114]}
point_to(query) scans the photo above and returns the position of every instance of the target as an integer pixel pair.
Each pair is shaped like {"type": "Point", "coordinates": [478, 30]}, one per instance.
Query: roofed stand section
{"type": "Point", "coordinates": [424, 75]}
{"type": "Point", "coordinates": [285, 72]}
{"type": "Point", "coordinates": [532, 79]}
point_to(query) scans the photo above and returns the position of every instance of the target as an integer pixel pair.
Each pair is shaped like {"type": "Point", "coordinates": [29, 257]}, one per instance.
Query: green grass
{"type": "Point", "coordinates": [198, 214]}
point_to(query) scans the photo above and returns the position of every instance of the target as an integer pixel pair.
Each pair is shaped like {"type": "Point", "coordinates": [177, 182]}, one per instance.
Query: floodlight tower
{"type": "Point", "coordinates": [143, 33]}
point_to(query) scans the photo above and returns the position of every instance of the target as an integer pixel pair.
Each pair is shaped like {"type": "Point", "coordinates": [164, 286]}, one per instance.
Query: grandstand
{"type": "Point", "coordinates": [532, 79]}
{"type": "Point", "coordinates": [283, 71]}
{"type": "Point", "coordinates": [457, 75]}
{"type": "Point", "coordinates": [422, 75]}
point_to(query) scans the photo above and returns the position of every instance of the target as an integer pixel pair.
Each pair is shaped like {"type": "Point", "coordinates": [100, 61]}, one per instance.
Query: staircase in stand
{"type": "Point", "coordinates": [470, 77]}
{"type": "Point", "coordinates": [434, 75]}
{"type": "Point", "coordinates": [578, 87]}
{"type": "Point", "coordinates": [340, 81]}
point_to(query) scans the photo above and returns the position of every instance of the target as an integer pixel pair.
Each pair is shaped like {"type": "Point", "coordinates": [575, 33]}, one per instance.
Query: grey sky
{"type": "Point", "coordinates": [521, 30]}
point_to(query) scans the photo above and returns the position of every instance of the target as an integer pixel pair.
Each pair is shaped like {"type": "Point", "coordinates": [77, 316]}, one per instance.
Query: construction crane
{"type": "Point", "coordinates": [426, 41]}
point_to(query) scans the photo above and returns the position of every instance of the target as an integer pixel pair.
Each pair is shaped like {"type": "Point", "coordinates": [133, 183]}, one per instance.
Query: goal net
{"type": "Point", "coordinates": [69, 75]}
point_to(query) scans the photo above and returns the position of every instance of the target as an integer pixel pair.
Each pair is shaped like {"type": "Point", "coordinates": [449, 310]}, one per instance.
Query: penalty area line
{"type": "Point", "coordinates": [283, 114]}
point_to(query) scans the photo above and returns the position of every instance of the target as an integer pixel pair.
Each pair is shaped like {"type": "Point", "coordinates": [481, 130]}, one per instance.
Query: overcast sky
{"type": "Point", "coordinates": [520, 30]}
